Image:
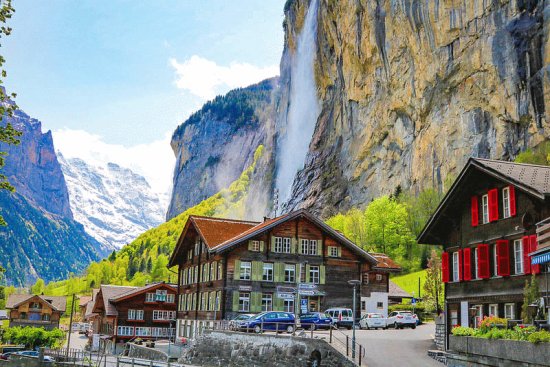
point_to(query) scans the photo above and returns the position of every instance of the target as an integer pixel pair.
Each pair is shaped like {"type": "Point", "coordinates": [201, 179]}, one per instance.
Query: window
{"type": "Point", "coordinates": [454, 317]}
{"type": "Point", "coordinates": [378, 277]}
{"type": "Point", "coordinates": [363, 305]}
{"type": "Point", "coordinates": [160, 295]}
{"type": "Point", "coordinates": [218, 300]}
{"type": "Point", "coordinates": [149, 297]}
{"type": "Point", "coordinates": [131, 314]}
{"type": "Point", "coordinates": [518, 257]}
{"type": "Point", "coordinates": [290, 273]}
{"type": "Point", "coordinates": [485, 208]}
{"type": "Point", "coordinates": [254, 245]}
{"type": "Point", "coordinates": [196, 274]}
{"type": "Point", "coordinates": [267, 302]}
{"type": "Point", "coordinates": [143, 331]}
{"type": "Point", "coordinates": [493, 310]}
{"type": "Point", "coordinates": [309, 247]}
{"type": "Point", "coordinates": [245, 270]}
{"type": "Point", "coordinates": [333, 251]}
{"type": "Point", "coordinates": [506, 202]}
{"type": "Point", "coordinates": [476, 275]}
{"type": "Point", "coordinates": [190, 276]}
{"type": "Point", "coordinates": [282, 245]}
{"type": "Point", "coordinates": [204, 303]}
{"type": "Point", "coordinates": [46, 317]}
{"type": "Point", "coordinates": [190, 254]}
{"type": "Point", "coordinates": [170, 298]}
{"type": "Point", "coordinates": [267, 275]}
{"type": "Point", "coordinates": [509, 311]}
{"type": "Point", "coordinates": [380, 305]}
{"type": "Point", "coordinates": [213, 269]}
{"type": "Point", "coordinates": [288, 305]}
{"type": "Point", "coordinates": [162, 331]}
{"type": "Point", "coordinates": [314, 274]}
{"type": "Point", "coordinates": [455, 267]}
{"type": "Point", "coordinates": [164, 315]}
{"type": "Point", "coordinates": [244, 302]}
{"type": "Point", "coordinates": [125, 331]}
{"type": "Point", "coordinates": [205, 275]}
{"type": "Point", "coordinates": [220, 273]}
{"type": "Point", "coordinates": [479, 315]}
{"type": "Point", "coordinates": [183, 276]}
{"type": "Point", "coordinates": [495, 261]}
{"type": "Point", "coordinates": [35, 305]}
{"type": "Point", "coordinates": [197, 247]}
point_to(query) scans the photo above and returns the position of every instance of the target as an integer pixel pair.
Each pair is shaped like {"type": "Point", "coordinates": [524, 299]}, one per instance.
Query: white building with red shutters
{"type": "Point", "coordinates": [486, 225]}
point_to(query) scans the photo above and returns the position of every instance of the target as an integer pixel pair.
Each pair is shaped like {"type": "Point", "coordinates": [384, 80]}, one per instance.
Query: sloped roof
{"type": "Point", "coordinates": [215, 231]}
{"type": "Point", "coordinates": [90, 305]}
{"type": "Point", "coordinates": [109, 292]}
{"type": "Point", "coordinates": [58, 303]}
{"type": "Point", "coordinates": [83, 301]}
{"type": "Point", "coordinates": [396, 291]}
{"type": "Point", "coordinates": [385, 262]}
{"type": "Point", "coordinates": [141, 290]}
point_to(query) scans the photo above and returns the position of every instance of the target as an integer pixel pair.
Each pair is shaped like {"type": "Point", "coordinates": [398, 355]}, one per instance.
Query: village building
{"type": "Point", "coordinates": [486, 224]}
{"type": "Point", "coordinates": [35, 310]}
{"type": "Point", "coordinates": [398, 295]}
{"type": "Point", "coordinates": [227, 267]}
{"type": "Point", "coordinates": [82, 303]}
{"type": "Point", "coordinates": [121, 313]}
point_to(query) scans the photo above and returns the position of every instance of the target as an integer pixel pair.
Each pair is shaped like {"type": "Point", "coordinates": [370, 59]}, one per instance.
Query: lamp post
{"type": "Point", "coordinates": [354, 283]}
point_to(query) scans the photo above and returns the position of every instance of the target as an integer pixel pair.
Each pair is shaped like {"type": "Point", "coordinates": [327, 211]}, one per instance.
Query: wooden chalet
{"type": "Point", "coordinates": [486, 225]}
{"type": "Point", "coordinates": [121, 313]}
{"type": "Point", "coordinates": [227, 267]}
{"type": "Point", "coordinates": [35, 310]}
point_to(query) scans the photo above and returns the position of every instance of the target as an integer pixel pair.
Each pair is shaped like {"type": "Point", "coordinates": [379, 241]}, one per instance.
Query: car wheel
{"type": "Point", "coordinates": [368, 327]}
{"type": "Point", "coordinates": [290, 329]}
{"type": "Point", "coordinates": [395, 325]}
{"type": "Point", "coordinates": [348, 327]}
{"type": "Point", "coordinates": [257, 329]}
{"type": "Point", "coordinates": [413, 327]}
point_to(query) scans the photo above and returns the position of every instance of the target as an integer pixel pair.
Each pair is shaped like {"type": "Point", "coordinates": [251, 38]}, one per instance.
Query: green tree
{"type": "Point", "coordinates": [38, 287]}
{"type": "Point", "coordinates": [537, 155]}
{"type": "Point", "coordinates": [530, 295]}
{"type": "Point", "coordinates": [8, 134]}
{"type": "Point", "coordinates": [433, 286]}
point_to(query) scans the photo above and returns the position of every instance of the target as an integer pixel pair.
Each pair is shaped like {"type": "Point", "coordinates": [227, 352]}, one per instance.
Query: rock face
{"type": "Point", "coordinates": [32, 167]}
{"type": "Point", "coordinates": [112, 202]}
{"type": "Point", "coordinates": [216, 144]}
{"type": "Point", "coordinates": [410, 89]}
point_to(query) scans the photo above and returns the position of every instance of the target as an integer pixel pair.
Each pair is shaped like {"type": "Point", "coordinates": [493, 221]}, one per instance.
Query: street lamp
{"type": "Point", "coordinates": [354, 283]}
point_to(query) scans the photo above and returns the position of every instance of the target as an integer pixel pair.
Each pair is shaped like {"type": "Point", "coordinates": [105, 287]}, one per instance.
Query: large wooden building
{"type": "Point", "coordinates": [486, 225]}
{"type": "Point", "coordinates": [227, 267]}
{"type": "Point", "coordinates": [35, 310]}
{"type": "Point", "coordinates": [121, 313]}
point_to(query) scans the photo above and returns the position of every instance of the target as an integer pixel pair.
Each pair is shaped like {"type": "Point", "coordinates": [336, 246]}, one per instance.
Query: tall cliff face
{"type": "Point", "coordinates": [217, 143]}
{"type": "Point", "coordinates": [410, 89]}
{"type": "Point", "coordinates": [32, 166]}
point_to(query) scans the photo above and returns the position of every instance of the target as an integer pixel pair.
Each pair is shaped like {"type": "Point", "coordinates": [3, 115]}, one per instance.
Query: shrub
{"type": "Point", "coordinates": [489, 322]}
{"type": "Point", "coordinates": [463, 331]}
{"type": "Point", "coordinates": [539, 337]}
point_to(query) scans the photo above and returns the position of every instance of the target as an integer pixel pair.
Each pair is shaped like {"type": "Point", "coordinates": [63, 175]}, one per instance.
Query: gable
{"type": "Point", "coordinates": [141, 291]}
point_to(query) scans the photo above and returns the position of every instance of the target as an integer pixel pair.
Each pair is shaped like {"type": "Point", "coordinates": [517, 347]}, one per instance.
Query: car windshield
{"type": "Point", "coordinates": [406, 313]}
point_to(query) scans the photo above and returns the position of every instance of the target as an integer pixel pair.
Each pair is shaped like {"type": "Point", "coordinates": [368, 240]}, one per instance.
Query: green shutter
{"type": "Point", "coordinates": [262, 246]}
{"type": "Point", "coordinates": [249, 245]}
{"type": "Point", "coordinates": [272, 245]}
{"type": "Point", "coordinates": [257, 270]}
{"type": "Point", "coordinates": [339, 251]}
{"type": "Point", "coordinates": [277, 303]}
{"type": "Point", "coordinates": [237, 270]}
{"type": "Point", "coordinates": [322, 274]}
{"type": "Point", "coordinates": [307, 274]}
{"type": "Point", "coordinates": [235, 301]}
{"type": "Point", "coordinates": [255, 302]}
{"type": "Point", "coordinates": [319, 248]}
{"type": "Point", "coordinates": [279, 272]}
{"type": "Point", "coordinates": [294, 244]}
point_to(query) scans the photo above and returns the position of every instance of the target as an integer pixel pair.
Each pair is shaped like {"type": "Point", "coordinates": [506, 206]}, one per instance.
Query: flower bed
{"type": "Point", "coordinates": [528, 333]}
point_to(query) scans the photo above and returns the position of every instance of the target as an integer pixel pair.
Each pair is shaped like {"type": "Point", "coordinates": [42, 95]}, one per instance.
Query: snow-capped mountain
{"type": "Point", "coordinates": [114, 204]}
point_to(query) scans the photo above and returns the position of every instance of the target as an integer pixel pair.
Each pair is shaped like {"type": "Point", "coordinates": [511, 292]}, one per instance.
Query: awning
{"type": "Point", "coordinates": [541, 258]}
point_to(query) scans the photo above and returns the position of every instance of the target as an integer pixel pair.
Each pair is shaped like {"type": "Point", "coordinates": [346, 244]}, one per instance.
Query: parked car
{"type": "Point", "coordinates": [316, 320]}
{"type": "Point", "coordinates": [373, 321]}
{"type": "Point", "coordinates": [75, 327]}
{"type": "Point", "coordinates": [276, 321]}
{"type": "Point", "coordinates": [401, 319]}
{"type": "Point", "coordinates": [234, 324]}
{"type": "Point", "coordinates": [84, 327]}
{"type": "Point", "coordinates": [341, 317]}
{"type": "Point", "coordinates": [6, 356]}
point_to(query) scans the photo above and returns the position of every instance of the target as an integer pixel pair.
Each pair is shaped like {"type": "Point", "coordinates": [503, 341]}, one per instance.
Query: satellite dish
{"type": "Point", "coordinates": [527, 221]}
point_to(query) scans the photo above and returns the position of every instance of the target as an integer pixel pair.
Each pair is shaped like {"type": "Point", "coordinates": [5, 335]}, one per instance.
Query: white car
{"type": "Point", "coordinates": [373, 321]}
{"type": "Point", "coordinates": [401, 319]}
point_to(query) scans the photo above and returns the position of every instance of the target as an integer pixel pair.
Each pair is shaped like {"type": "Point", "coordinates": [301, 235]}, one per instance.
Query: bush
{"type": "Point", "coordinates": [525, 333]}
{"type": "Point", "coordinates": [539, 337]}
{"type": "Point", "coordinates": [489, 322]}
{"type": "Point", "coordinates": [33, 337]}
{"type": "Point", "coordinates": [463, 331]}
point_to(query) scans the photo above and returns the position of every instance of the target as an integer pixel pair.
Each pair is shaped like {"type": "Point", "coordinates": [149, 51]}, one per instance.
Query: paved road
{"type": "Point", "coordinates": [78, 341]}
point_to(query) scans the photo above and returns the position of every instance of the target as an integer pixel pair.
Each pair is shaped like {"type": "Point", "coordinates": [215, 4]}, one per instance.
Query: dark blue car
{"type": "Point", "coordinates": [316, 320]}
{"type": "Point", "coordinates": [273, 320]}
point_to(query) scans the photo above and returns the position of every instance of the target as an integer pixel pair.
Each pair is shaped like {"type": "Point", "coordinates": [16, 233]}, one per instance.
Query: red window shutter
{"type": "Point", "coordinates": [467, 264]}
{"type": "Point", "coordinates": [483, 261]}
{"type": "Point", "coordinates": [445, 267]}
{"type": "Point", "coordinates": [512, 191]}
{"type": "Point", "coordinates": [460, 270]}
{"type": "Point", "coordinates": [475, 211]}
{"type": "Point", "coordinates": [493, 205]}
{"type": "Point", "coordinates": [535, 269]}
{"type": "Point", "coordinates": [526, 258]}
{"type": "Point", "coordinates": [503, 258]}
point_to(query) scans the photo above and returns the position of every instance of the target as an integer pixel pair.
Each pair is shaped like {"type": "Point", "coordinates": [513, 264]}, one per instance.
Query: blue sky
{"type": "Point", "coordinates": [127, 72]}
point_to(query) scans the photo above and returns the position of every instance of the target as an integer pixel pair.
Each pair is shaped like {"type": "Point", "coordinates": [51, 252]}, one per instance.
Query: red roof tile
{"type": "Point", "coordinates": [384, 261]}
{"type": "Point", "coordinates": [215, 231]}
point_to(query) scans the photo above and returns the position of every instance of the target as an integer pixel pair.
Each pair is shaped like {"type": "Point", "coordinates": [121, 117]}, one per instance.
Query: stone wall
{"type": "Point", "coordinates": [138, 351]}
{"type": "Point", "coordinates": [233, 349]}
{"type": "Point", "coordinates": [439, 338]}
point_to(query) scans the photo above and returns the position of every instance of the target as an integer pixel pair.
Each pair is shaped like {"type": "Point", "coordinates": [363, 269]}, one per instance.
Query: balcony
{"type": "Point", "coordinates": [35, 322]}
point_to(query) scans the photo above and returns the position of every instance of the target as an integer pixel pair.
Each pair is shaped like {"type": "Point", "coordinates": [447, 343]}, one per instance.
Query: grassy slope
{"type": "Point", "coordinates": [409, 282]}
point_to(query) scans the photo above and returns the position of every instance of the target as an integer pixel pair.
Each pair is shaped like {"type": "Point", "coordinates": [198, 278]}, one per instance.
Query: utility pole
{"type": "Point", "coordinates": [70, 329]}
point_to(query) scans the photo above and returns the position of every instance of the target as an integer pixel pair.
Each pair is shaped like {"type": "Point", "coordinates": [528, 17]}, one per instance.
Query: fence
{"type": "Point", "coordinates": [116, 361]}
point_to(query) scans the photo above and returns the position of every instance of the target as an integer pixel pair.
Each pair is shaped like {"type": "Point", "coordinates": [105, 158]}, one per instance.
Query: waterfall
{"type": "Point", "coordinates": [304, 108]}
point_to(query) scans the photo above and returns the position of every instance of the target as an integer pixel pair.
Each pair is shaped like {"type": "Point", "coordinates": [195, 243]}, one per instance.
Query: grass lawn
{"type": "Point", "coordinates": [409, 282]}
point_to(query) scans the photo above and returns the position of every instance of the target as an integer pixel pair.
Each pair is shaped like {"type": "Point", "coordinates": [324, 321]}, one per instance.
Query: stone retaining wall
{"type": "Point", "coordinates": [232, 349]}
{"type": "Point", "coordinates": [439, 338]}
{"type": "Point", "coordinates": [138, 351]}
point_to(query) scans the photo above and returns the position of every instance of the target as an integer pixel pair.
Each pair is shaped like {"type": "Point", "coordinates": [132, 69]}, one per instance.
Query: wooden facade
{"type": "Point", "coordinates": [251, 271]}
{"type": "Point", "coordinates": [124, 313]}
{"type": "Point", "coordinates": [486, 225]}
{"type": "Point", "coordinates": [35, 310]}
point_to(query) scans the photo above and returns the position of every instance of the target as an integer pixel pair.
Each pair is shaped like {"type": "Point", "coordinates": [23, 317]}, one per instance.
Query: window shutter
{"type": "Point", "coordinates": [535, 269]}
{"type": "Point", "coordinates": [475, 211]}
{"type": "Point", "coordinates": [279, 270]}
{"type": "Point", "coordinates": [503, 258]}
{"type": "Point", "coordinates": [272, 246]}
{"type": "Point", "coordinates": [493, 205]}
{"type": "Point", "coordinates": [467, 264]}
{"type": "Point", "coordinates": [249, 245]}
{"type": "Point", "coordinates": [255, 302]}
{"type": "Point", "coordinates": [307, 274]}
{"type": "Point", "coordinates": [512, 191]}
{"type": "Point", "coordinates": [299, 244]}
{"type": "Point", "coordinates": [277, 303]}
{"type": "Point", "coordinates": [235, 301]}
{"type": "Point", "coordinates": [339, 251]}
{"type": "Point", "coordinates": [257, 268]}
{"type": "Point", "coordinates": [293, 244]}
{"type": "Point", "coordinates": [483, 261]}
{"type": "Point", "coordinates": [262, 246]}
{"type": "Point", "coordinates": [319, 248]}
{"type": "Point", "coordinates": [526, 258]}
{"type": "Point", "coordinates": [460, 269]}
{"type": "Point", "coordinates": [445, 267]}
{"type": "Point", "coordinates": [237, 270]}
{"type": "Point", "coordinates": [322, 274]}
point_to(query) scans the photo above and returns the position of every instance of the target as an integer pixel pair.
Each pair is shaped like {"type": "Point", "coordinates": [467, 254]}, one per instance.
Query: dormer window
{"type": "Point", "coordinates": [485, 208]}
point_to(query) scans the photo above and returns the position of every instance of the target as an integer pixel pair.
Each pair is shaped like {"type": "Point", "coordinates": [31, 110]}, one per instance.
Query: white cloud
{"type": "Point", "coordinates": [155, 161]}
{"type": "Point", "coordinates": [206, 79]}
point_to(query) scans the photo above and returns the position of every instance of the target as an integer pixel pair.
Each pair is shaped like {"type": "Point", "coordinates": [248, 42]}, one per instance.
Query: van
{"type": "Point", "coordinates": [341, 317]}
